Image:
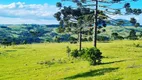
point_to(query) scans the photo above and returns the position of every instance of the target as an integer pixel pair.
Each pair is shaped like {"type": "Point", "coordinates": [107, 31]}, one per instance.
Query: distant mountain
{"type": "Point", "coordinates": [115, 21]}
{"type": "Point", "coordinates": [34, 25]}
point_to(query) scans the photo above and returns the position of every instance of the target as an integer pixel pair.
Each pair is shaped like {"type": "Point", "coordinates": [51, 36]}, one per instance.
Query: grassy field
{"type": "Point", "coordinates": [48, 61]}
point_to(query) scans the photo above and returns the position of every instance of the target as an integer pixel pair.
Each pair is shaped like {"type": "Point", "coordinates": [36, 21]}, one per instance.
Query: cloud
{"type": "Point", "coordinates": [27, 12]}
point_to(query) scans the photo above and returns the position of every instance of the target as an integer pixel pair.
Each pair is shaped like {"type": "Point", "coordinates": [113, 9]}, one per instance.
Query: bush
{"type": "Point", "coordinates": [68, 50]}
{"type": "Point", "coordinates": [75, 53]}
{"type": "Point", "coordinates": [103, 38]}
{"type": "Point", "coordinates": [85, 39]}
{"type": "Point", "coordinates": [90, 39]}
{"type": "Point", "coordinates": [93, 55]}
{"type": "Point", "coordinates": [132, 35]}
{"type": "Point", "coordinates": [81, 53]}
{"type": "Point", "coordinates": [136, 45]}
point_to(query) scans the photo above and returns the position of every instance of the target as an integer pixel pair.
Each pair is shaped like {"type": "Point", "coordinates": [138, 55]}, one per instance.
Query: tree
{"type": "Point", "coordinates": [134, 22]}
{"type": "Point", "coordinates": [114, 36]}
{"type": "Point", "coordinates": [76, 19]}
{"type": "Point", "coordinates": [68, 50]}
{"type": "Point", "coordinates": [132, 35]}
{"type": "Point", "coordinates": [73, 20]}
{"type": "Point", "coordinates": [137, 25]}
{"type": "Point", "coordinates": [141, 34]}
{"type": "Point", "coordinates": [106, 6]}
{"type": "Point", "coordinates": [57, 39]}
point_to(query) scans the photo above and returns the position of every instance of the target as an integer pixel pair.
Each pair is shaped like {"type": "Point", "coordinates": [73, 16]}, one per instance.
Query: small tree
{"type": "Point", "coordinates": [134, 22]}
{"type": "Point", "coordinates": [132, 35]}
{"type": "Point", "coordinates": [68, 50]}
{"type": "Point", "coordinates": [141, 34]}
{"type": "Point", "coordinates": [114, 36]}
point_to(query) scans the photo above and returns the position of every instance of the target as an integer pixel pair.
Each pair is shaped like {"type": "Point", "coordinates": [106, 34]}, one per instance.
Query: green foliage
{"type": "Point", "coordinates": [136, 44]}
{"type": "Point", "coordinates": [102, 38]}
{"type": "Point", "coordinates": [57, 39]}
{"type": "Point", "coordinates": [137, 24]}
{"type": "Point", "coordinates": [90, 39]}
{"type": "Point", "coordinates": [72, 40]}
{"type": "Point", "coordinates": [58, 4]}
{"type": "Point", "coordinates": [68, 50]}
{"type": "Point", "coordinates": [75, 53]}
{"type": "Point", "coordinates": [132, 35]}
{"type": "Point", "coordinates": [133, 21]}
{"type": "Point", "coordinates": [93, 55]}
{"type": "Point", "coordinates": [60, 30]}
{"type": "Point", "coordinates": [141, 34]}
{"type": "Point", "coordinates": [115, 36]}
{"type": "Point", "coordinates": [84, 39]}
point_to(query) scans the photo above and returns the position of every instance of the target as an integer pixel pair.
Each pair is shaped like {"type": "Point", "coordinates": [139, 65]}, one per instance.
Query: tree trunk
{"type": "Point", "coordinates": [95, 21]}
{"type": "Point", "coordinates": [80, 40]}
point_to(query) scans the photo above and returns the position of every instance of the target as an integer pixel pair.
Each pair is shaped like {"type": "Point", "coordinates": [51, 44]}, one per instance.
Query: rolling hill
{"type": "Point", "coordinates": [33, 33]}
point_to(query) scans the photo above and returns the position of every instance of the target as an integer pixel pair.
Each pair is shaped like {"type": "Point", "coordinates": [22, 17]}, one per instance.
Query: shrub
{"type": "Point", "coordinates": [136, 45]}
{"type": "Point", "coordinates": [103, 38]}
{"type": "Point", "coordinates": [75, 53]}
{"type": "Point", "coordinates": [81, 53]}
{"type": "Point", "coordinates": [90, 39]}
{"type": "Point", "coordinates": [132, 35]}
{"type": "Point", "coordinates": [93, 55]}
{"type": "Point", "coordinates": [68, 50]}
{"type": "Point", "coordinates": [85, 39]}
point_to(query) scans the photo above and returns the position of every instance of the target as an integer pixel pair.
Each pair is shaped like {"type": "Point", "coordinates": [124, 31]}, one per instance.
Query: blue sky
{"type": "Point", "coordinates": [39, 11]}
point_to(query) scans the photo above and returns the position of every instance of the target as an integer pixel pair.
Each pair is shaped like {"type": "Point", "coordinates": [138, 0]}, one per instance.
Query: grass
{"type": "Point", "coordinates": [49, 61]}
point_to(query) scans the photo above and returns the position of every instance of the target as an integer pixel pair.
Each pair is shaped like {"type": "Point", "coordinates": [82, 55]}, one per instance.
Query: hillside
{"type": "Point", "coordinates": [49, 61]}
{"type": "Point", "coordinates": [121, 30]}
{"type": "Point", "coordinates": [33, 33]}
{"type": "Point", "coordinates": [28, 33]}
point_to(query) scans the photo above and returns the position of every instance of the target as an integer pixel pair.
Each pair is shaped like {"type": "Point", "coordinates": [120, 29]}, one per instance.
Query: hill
{"type": "Point", "coordinates": [33, 33]}
{"type": "Point", "coordinates": [26, 33]}
{"type": "Point", "coordinates": [121, 30]}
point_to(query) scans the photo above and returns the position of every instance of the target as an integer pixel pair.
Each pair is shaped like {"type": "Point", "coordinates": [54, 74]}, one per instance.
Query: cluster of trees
{"type": "Point", "coordinates": [132, 36]}
{"type": "Point", "coordinates": [19, 40]}
{"type": "Point", "coordinates": [75, 19]}
{"type": "Point", "coordinates": [83, 16]}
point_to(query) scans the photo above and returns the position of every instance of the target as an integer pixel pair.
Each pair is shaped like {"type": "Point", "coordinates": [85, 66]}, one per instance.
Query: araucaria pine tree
{"type": "Point", "coordinates": [94, 13]}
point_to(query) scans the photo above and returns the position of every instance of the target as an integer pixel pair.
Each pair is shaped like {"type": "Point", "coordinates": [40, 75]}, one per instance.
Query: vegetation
{"type": "Point", "coordinates": [121, 60]}
{"type": "Point", "coordinates": [93, 55]}
{"type": "Point", "coordinates": [25, 34]}
{"type": "Point", "coordinates": [35, 52]}
{"type": "Point", "coordinates": [84, 14]}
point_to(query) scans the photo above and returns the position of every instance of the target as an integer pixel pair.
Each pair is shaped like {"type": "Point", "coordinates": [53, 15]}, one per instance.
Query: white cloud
{"type": "Point", "coordinates": [27, 12]}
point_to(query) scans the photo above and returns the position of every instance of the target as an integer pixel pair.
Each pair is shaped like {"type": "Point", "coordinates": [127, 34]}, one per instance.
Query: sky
{"type": "Point", "coordinates": [39, 11]}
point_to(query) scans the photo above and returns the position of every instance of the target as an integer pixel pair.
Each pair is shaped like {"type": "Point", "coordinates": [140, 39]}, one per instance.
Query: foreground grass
{"type": "Point", "coordinates": [49, 61]}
